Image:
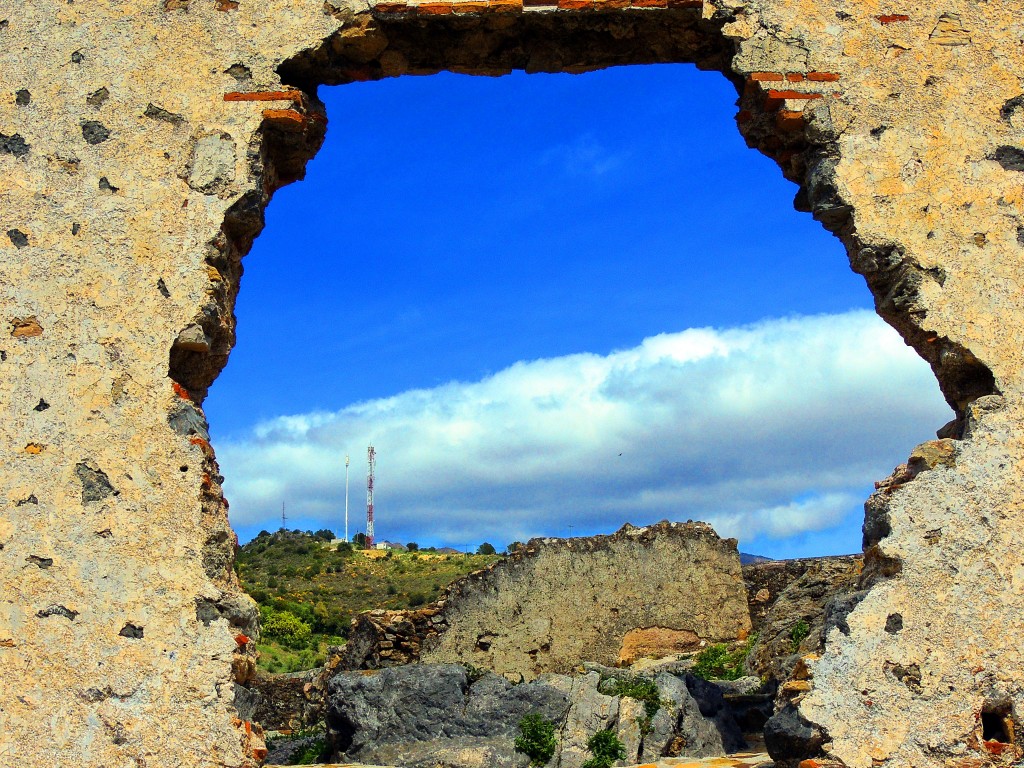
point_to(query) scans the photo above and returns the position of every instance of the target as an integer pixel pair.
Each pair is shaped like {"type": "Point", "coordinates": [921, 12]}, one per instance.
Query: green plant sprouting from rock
{"type": "Point", "coordinates": [536, 738]}
{"type": "Point", "coordinates": [717, 662]}
{"type": "Point", "coordinates": [799, 633]}
{"type": "Point", "coordinates": [606, 750]}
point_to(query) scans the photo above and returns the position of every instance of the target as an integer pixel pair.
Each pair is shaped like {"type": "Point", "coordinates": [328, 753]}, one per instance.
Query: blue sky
{"type": "Point", "coordinates": [507, 283]}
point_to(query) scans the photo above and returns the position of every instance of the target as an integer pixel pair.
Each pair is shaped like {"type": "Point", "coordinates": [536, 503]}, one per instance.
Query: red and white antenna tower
{"type": "Point", "coordinates": [371, 461]}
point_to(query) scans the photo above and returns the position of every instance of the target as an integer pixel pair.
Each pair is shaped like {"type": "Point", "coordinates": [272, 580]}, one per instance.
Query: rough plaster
{"type": "Point", "coordinates": [133, 182]}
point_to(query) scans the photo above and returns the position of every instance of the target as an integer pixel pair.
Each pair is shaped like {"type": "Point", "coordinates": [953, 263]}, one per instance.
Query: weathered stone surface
{"type": "Point", "coordinates": [429, 714]}
{"type": "Point", "coordinates": [784, 593]}
{"type": "Point", "coordinates": [901, 134]}
{"type": "Point", "coordinates": [557, 603]}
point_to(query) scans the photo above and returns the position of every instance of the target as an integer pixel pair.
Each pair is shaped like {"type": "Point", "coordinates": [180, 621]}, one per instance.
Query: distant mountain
{"type": "Point", "coordinates": [748, 559]}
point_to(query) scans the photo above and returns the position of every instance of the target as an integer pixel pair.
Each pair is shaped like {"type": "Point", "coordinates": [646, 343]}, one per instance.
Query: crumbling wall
{"type": "Point", "coordinates": [556, 603]}
{"type": "Point", "coordinates": [139, 144]}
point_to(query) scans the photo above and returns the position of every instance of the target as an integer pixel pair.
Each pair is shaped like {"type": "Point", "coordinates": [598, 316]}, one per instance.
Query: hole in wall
{"type": "Point", "coordinates": [513, 267]}
{"type": "Point", "coordinates": [998, 722]}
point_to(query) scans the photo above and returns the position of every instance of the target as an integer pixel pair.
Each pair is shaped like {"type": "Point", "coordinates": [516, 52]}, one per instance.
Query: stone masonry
{"type": "Point", "coordinates": [139, 145]}
{"type": "Point", "coordinates": [556, 603]}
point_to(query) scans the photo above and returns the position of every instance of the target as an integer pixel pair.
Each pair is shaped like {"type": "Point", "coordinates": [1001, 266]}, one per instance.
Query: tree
{"type": "Point", "coordinates": [324, 534]}
{"type": "Point", "coordinates": [485, 549]}
{"type": "Point", "coordinates": [284, 627]}
{"type": "Point", "coordinates": [515, 546]}
{"type": "Point", "coordinates": [412, 546]}
{"type": "Point", "coordinates": [359, 541]}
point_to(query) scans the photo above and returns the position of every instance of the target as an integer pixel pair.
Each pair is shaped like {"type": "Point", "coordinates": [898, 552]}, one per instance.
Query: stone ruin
{"type": "Point", "coordinates": [139, 146]}
{"type": "Point", "coordinates": [662, 589]}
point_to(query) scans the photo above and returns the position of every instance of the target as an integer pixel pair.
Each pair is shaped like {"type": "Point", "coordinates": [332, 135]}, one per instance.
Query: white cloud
{"type": "Point", "coordinates": [584, 156]}
{"type": "Point", "coordinates": [771, 429]}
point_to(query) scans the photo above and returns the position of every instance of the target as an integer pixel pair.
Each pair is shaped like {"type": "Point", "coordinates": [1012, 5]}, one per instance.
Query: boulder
{"type": "Point", "coordinates": [430, 715]}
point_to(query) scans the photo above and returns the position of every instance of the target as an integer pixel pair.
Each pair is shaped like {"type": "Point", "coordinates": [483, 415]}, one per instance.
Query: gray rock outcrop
{"type": "Point", "coordinates": [428, 715]}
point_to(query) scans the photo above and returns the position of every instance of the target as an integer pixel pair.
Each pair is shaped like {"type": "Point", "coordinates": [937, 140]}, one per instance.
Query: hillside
{"type": "Point", "coordinates": [308, 591]}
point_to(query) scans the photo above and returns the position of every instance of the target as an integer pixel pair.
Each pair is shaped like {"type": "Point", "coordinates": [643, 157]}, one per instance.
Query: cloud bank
{"type": "Point", "coordinates": [767, 430]}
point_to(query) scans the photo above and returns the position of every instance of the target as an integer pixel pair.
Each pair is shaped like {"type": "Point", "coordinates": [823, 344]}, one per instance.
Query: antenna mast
{"type": "Point", "coordinates": [346, 497]}
{"type": "Point", "coordinates": [371, 461]}
{"type": "Point", "coordinates": [283, 516]}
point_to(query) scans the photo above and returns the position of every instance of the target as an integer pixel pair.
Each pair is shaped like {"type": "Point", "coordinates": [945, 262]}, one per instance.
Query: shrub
{"type": "Point", "coordinates": [392, 589]}
{"type": "Point", "coordinates": [416, 598]}
{"type": "Point", "coordinates": [717, 662]}
{"type": "Point", "coordinates": [641, 688]}
{"type": "Point", "coordinates": [287, 629]}
{"type": "Point", "coordinates": [606, 750]}
{"type": "Point", "coordinates": [798, 633]}
{"type": "Point", "coordinates": [536, 738]}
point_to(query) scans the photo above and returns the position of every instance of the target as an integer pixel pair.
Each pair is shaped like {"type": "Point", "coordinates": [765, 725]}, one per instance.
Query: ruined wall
{"type": "Point", "coordinates": [559, 602]}
{"type": "Point", "coordinates": [139, 143]}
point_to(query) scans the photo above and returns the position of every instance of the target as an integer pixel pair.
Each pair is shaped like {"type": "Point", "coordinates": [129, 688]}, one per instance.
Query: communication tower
{"type": "Point", "coordinates": [371, 461]}
{"type": "Point", "coordinates": [346, 497]}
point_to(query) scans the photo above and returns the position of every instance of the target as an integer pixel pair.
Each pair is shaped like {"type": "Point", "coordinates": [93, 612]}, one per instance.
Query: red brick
{"type": "Point", "coordinates": [605, 4]}
{"type": "Point", "coordinates": [795, 77]}
{"type": "Point", "coordinates": [780, 95]}
{"type": "Point", "coordinates": [392, 8]}
{"type": "Point", "coordinates": [766, 77]}
{"type": "Point", "coordinates": [264, 96]}
{"type": "Point", "coordinates": [288, 115]}
{"type": "Point", "coordinates": [787, 120]}
{"type": "Point", "coordinates": [227, 5]}
{"type": "Point", "coordinates": [575, 5]}
{"type": "Point", "coordinates": [180, 391]}
{"type": "Point", "coordinates": [649, 4]}
{"type": "Point", "coordinates": [434, 9]}
{"type": "Point", "coordinates": [470, 7]}
{"type": "Point", "coordinates": [506, 6]}
{"type": "Point", "coordinates": [893, 18]}
{"type": "Point", "coordinates": [822, 77]}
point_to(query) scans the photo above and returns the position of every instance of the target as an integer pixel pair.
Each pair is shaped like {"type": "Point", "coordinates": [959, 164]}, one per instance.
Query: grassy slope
{"type": "Point", "coordinates": [296, 573]}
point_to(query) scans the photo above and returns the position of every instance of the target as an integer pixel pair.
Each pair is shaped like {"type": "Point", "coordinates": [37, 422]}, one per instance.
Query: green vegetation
{"type": "Point", "coordinates": [640, 688]}
{"type": "Point", "coordinates": [606, 750]}
{"type": "Point", "coordinates": [310, 754]}
{"type": "Point", "coordinates": [717, 662]}
{"type": "Point", "coordinates": [308, 590]}
{"type": "Point", "coordinates": [798, 633]}
{"type": "Point", "coordinates": [536, 739]}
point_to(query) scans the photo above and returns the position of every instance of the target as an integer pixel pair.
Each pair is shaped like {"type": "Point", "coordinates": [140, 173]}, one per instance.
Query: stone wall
{"type": "Point", "coordinates": [559, 602]}
{"type": "Point", "coordinates": [139, 145]}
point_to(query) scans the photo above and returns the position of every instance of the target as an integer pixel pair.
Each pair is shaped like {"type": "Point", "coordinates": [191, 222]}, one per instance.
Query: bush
{"type": "Point", "coordinates": [717, 662]}
{"type": "Point", "coordinates": [799, 633]}
{"type": "Point", "coordinates": [606, 750]}
{"type": "Point", "coordinates": [536, 739]}
{"type": "Point", "coordinates": [642, 689]}
{"type": "Point", "coordinates": [416, 598]}
{"type": "Point", "coordinates": [287, 629]}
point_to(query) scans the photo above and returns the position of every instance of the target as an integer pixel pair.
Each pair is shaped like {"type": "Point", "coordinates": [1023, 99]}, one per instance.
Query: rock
{"type": "Point", "coordinates": [744, 685]}
{"type": "Point", "coordinates": [429, 715]}
{"type": "Point", "coordinates": [815, 591]}
{"type": "Point", "coordinates": [683, 729]}
{"type": "Point", "coordinates": [412, 710]}
{"type": "Point", "coordinates": [790, 739]}
{"type": "Point", "coordinates": [213, 163]}
{"type": "Point", "coordinates": [713, 706]}
{"type": "Point", "coordinates": [194, 339]}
